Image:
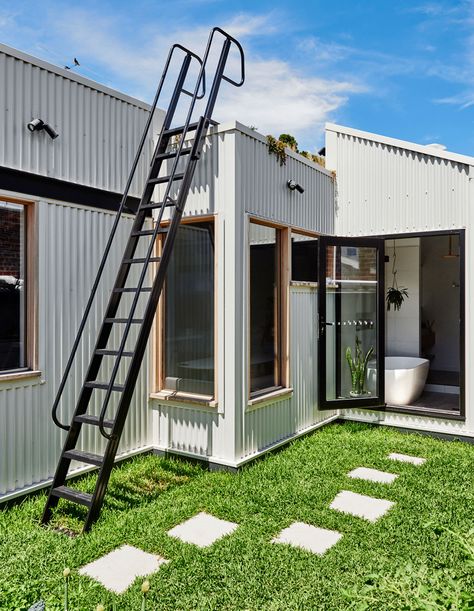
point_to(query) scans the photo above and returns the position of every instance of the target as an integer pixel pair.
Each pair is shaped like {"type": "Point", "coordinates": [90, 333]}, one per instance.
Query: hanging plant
{"type": "Point", "coordinates": [276, 147]}
{"type": "Point", "coordinates": [358, 367]}
{"type": "Point", "coordinates": [396, 295]}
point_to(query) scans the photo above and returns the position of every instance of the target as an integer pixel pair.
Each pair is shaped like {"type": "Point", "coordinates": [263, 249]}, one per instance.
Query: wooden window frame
{"type": "Point", "coordinates": [282, 337]}
{"type": "Point", "coordinates": [158, 356]}
{"type": "Point", "coordinates": [31, 368]}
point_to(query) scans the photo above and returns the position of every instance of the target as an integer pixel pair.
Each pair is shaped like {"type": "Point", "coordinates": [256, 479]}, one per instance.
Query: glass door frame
{"type": "Point", "coordinates": [377, 402]}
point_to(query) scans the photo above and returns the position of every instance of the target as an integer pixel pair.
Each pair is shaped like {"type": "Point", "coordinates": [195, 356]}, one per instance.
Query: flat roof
{"type": "Point", "coordinates": [72, 76]}
{"type": "Point", "coordinates": [403, 144]}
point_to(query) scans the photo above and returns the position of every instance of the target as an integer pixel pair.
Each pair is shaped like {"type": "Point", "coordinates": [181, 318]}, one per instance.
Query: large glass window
{"type": "Point", "coordinates": [264, 308]}
{"type": "Point", "coordinates": [304, 258]}
{"type": "Point", "coordinates": [12, 287]}
{"type": "Point", "coordinates": [189, 312]}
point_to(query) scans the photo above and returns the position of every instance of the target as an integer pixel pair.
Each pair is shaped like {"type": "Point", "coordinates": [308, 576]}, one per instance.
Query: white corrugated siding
{"type": "Point", "coordinates": [71, 242]}
{"type": "Point", "coordinates": [98, 132]}
{"type": "Point", "coordinates": [385, 188]}
{"type": "Point", "coordinates": [283, 419]}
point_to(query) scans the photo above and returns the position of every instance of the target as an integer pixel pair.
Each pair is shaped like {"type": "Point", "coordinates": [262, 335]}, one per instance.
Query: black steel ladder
{"type": "Point", "coordinates": [186, 150]}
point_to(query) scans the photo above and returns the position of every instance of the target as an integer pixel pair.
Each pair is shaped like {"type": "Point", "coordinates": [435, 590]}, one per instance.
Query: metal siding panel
{"type": "Point", "coordinates": [98, 133]}
{"type": "Point", "coordinates": [71, 243]}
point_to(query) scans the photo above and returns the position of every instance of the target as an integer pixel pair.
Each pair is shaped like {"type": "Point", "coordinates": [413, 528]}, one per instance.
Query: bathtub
{"type": "Point", "coordinates": [405, 378]}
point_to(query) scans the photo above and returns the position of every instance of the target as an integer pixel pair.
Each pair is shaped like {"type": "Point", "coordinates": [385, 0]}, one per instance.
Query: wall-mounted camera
{"type": "Point", "coordinates": [292, 185]}
{"type": "Point", "coordinates": [37, 125]}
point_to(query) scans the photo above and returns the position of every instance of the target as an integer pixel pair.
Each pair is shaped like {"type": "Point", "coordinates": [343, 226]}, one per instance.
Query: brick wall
{"type": "Point", "coordinates": [10, 243]}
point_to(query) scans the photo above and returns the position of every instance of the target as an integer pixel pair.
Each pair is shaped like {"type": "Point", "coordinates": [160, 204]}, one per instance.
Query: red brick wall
{"type": "Point", "coordinates": [10, 243]}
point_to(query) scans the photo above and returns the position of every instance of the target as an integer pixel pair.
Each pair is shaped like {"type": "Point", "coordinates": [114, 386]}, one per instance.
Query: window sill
{"type": "Point", "coordinates": [274, 395]}
{"type": "Point", "coordinates": [183, 398]}
{"type": "Point", "coordinates": [19, 375]}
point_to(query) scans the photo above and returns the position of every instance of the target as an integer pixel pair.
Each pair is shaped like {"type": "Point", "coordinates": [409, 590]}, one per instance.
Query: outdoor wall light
{"type": "Point", "coordinates": [292, 185]}
{"type": "Point", "coordinates": [37, 125]}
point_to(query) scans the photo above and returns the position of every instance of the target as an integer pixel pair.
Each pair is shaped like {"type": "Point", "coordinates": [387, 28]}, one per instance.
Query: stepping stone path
{"type": "Point", "coordinates": [373, 475]}
{"type": "Point", "coordinates": [309, 538]}
{"type": "Point", "coordinates": [118, 570]}
{"type": "Point", "coordinates": [202, 530]}
{"type": "Point", "coordinates": [360, 505]}
{"type": "Point", "coordinates": [414, 460]}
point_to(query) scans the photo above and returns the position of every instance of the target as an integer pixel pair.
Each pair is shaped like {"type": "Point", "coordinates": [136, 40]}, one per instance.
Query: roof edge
{"type": "Point", "coordinates": [403, 144]}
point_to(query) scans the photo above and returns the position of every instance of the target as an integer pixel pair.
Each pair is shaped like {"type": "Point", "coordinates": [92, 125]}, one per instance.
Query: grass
{"type": "Point", "coordinates": [150, 495]}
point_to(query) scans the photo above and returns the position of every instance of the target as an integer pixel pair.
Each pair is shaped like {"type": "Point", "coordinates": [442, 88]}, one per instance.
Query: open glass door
{"type": "Point", "coordinates": [351, 323]}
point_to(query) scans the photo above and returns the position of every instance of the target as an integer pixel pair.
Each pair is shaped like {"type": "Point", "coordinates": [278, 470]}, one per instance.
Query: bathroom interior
{"type": "Point", "coordinates": [423, 337]}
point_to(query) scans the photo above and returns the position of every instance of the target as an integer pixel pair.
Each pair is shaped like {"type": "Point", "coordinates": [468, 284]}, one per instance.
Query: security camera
{"type": "Point", "coordinates": [292, 185]}
{"type": "Point", "coordinates": [37, 125]}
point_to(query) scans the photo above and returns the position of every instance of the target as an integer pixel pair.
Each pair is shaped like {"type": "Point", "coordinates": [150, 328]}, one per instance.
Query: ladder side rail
{"type": "Point", "coordinates": [108, 246]}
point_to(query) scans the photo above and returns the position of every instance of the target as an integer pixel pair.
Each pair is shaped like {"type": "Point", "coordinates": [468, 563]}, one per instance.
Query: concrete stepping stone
{"type": "Point", "coordinates": [202, 530]}
{"type": "Point", "coordinates": [373, 475]}
{"type": "Point", "coordinates": [117, 570]}
{"type": "Point", "coordinates": [310, 538]}
{"type": "Point", "coordinates": [414, 460]}
{"type": "Point", "coordinates": [360, 505]}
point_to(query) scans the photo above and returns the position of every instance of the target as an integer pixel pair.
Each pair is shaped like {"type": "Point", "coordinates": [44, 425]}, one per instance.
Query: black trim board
{"type": "Point", "coordinates": [52, 188]}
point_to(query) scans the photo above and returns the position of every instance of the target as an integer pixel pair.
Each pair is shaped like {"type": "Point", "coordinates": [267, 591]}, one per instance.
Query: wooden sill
{"type": "Point", "coordinates": [19, 375]}
{"type": "Point", "coordinates": [184, 398]}
{"type": "Point", "coordinates": [281, 393]}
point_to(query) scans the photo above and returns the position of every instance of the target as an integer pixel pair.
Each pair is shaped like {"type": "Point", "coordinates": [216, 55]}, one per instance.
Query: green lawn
{"type": "Point", "coordinates": [149, 495]}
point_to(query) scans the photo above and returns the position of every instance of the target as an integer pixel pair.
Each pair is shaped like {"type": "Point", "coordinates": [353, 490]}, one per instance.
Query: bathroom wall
{"type": "Point", "coordinates": [440, 299]}
{"type": "Point", "coordinates": [402, 328]}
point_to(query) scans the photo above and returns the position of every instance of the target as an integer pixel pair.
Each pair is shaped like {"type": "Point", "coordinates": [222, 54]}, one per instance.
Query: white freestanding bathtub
{"type": "Point", "coordinates": [405, 378]}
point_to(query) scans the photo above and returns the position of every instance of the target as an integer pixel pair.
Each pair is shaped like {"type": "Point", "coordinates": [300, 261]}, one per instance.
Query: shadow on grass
{"type": "Point", "coordinates": [132, 483]}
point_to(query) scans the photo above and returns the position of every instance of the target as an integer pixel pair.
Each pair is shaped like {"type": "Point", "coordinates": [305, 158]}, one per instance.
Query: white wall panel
{"type": "Point", "coordinates": [99, 129]}
{"type": "Point", "coordinates": [71, 240]}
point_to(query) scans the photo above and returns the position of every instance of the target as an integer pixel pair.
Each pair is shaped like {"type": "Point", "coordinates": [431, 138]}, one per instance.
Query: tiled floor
{"type": "Point", "coordinates": [373, 475]}
{"type": "Point", "coordinates": [202, 530]}
{"type": "Point", "coordinates": [360, 505]}
{"type": "Point", "coordinates": [309, 538]}
{"type": "Point", "coordinates": [118, 570]}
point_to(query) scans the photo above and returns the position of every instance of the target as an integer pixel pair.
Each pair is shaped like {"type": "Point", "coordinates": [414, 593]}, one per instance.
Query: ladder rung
{"type": "Point", "coordinates": [93, 420]}
{"type": "Point", "coordinates": [88, 457]}
{"type": "Point", "coordinates": [104, 386]}
{"type": "Point", "coordinates": [123, 321]}
{"type": "Point", "coordinates": [156, 205]}
{"type": "Point", "coordinates": [149, 231]}
{"type": "Point", "coordinates": [133, 289]}
{"type": "Point", "coordinates": [112, 353]}
{"type": "Point", "coordinates": [163, 179]}
{"type": "Point", "coordinates": [174, 131]}
{"type": "Point", "coordinates": [171, 154]}
{"type": "Point", "coordinates": [76, 496]}
{"type": "Point", "coordinates": [150, 260]}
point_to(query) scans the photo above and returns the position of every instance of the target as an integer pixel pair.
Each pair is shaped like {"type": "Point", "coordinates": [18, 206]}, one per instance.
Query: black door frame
{"type": "Point", "coordinates": [377, 402]}
{"type": "Point", "coordinates": [462, 325]}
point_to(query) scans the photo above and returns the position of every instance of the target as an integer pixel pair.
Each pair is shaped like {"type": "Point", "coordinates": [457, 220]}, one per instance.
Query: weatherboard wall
{"type": "Point", "coordinates": [387, 186]}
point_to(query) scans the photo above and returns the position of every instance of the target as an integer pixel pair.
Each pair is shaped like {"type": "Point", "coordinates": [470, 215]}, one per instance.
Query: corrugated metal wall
{"type": "Point", "coordinates": [99, 129]}
{"type": "Point", "coordinates": [71, 240]}
{"type": "Point", "coordinates": [386, 186]}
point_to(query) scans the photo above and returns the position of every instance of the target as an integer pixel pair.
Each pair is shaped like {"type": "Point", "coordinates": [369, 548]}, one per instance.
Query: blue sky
{"type": "Point", "coordinates": [403, 69]}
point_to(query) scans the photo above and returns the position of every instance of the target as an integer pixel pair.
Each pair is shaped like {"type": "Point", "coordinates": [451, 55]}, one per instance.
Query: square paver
{"type": "Point", "coordinates": [202, 530]}
{"type": "Point", "coordinates": [373, 475]}
{"type": "Point", "coordinates": [360, 505]}
{"type": "Point", "coordinates": [117, 570]}
{"type": "Point", "coordinates": [414, 460]}
{"type": "Point", "coordinates": [310, 538]}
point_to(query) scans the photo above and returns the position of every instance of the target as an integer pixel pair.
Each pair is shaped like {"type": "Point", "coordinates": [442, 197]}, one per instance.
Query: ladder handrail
{"type": "Point", "coordinates": [199, 134]}
{"type": "Point", "coordinates": [118, 216]}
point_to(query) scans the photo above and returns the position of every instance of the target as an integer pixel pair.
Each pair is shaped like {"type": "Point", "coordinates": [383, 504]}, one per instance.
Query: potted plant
{"type": "Point", "coordinates": [395, 294]}
{"type": "Point", "coordinates": [358, 368]}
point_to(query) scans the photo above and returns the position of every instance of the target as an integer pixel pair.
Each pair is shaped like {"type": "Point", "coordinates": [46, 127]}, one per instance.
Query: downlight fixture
{"type": "Point", "coordinates": [292, 185]}
{"type": "Point", "coordinates": [37, 125]}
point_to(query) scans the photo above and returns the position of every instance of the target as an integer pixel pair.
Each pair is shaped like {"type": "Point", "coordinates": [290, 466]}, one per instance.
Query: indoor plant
{"type": "Point", "coordinates": [358, 367]}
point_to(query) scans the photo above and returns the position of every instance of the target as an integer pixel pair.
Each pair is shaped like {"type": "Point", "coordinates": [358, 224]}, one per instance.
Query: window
{"type": "Point", "coordinates": [265, 308]}
{"type": "Point", "coordinates": [188, 364]}
{"type": "Point", "coordinates": [304, 258]}
{"type": "Point", "coordinates": [13, 315]}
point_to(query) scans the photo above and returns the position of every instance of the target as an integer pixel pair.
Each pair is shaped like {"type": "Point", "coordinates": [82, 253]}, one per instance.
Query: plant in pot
{"type": "Point", "coordinates": [358, 368]}
{"type": "Point", "coordinates": [396, 295]}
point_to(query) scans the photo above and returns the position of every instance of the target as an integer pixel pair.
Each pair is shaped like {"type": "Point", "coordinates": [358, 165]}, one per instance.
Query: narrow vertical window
{"type": "Point", "coordinates": [189, 312]}
{"type": "Point", "coordinates": [264, 308]}
{"type": "Point", "coordinates": [12, 287]}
